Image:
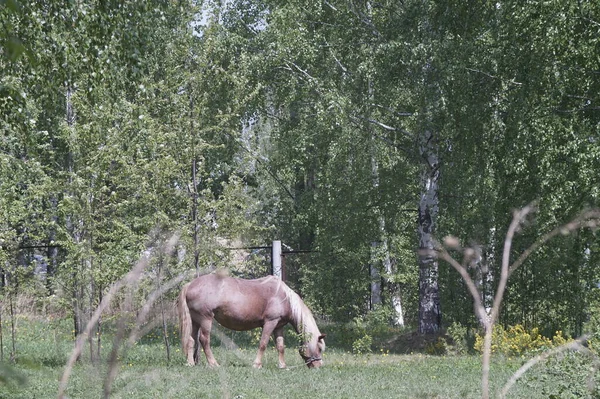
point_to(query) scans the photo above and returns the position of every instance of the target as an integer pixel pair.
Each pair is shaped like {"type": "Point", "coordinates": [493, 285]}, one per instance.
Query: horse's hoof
{"type": "Point", "coordinates": [281, 365]}
{"type": "Point", "coordinates": [257, 366]}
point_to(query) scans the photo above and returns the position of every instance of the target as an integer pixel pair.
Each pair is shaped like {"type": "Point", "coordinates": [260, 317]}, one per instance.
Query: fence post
{"type": "Point", "coordinates": [276, 259]}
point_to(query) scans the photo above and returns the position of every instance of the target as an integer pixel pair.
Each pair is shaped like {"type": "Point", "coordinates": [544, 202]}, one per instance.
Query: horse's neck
{"type": "Point", "coordinates": [305, 324]}
{"type": "Point", "coordinates": [301, 318]}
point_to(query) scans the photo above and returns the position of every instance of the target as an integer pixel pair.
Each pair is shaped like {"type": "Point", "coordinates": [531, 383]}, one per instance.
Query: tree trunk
{"type": "Point", "coordinates": [52, 252]}
{"type": "Point", "coordinates": [375, 278]}
{"type": "Point", "coordinates": [73, 226]}
{"type": "Point", "coordinates": [430, 316]}
{"type": "Point", "coordinates": [390, 292]}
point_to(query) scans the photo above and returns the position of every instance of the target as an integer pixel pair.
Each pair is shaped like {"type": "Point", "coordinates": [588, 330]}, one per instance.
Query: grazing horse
{"type": "Point", "coordinates": [242, 305]}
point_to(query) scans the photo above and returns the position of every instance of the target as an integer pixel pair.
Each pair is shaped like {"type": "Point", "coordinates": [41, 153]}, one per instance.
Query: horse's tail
{"type": "Point", "coordinates": [185, 325]}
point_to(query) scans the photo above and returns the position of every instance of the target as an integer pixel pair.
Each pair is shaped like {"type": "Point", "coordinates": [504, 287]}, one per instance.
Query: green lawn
{"type": "Point", "coordinates": [145, 373]}
{"type": "Point", "coordinates": [344, 376]}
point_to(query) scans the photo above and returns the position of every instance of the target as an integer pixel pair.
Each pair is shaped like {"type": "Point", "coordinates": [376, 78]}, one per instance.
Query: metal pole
{"type": "Point", "coordinates": [276, 259]}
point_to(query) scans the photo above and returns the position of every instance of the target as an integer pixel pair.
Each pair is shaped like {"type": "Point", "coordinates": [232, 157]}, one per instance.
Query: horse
{"type": "Point", "coordinates": [241, 305]}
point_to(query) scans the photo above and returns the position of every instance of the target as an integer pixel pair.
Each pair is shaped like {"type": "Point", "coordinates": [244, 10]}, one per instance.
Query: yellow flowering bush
{"type": "Point", "coordinates": [362, 345]}
{"type": "Point", "coordinates": [516, 340]}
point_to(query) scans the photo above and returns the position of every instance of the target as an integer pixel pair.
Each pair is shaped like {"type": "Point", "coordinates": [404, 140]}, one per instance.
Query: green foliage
{"type": "Point", "coordinates": [302, 120]}
{"type": "Point", "coordinates": [517, 341]}
{"type": "Point", "coordinates": [462, 338]}
{"type": "Point", "coordinates": [8, 375]}
{"type": "Point", "coordinates": [592, 326]}
{"type": "Point", "coordinates": [569, 375]}
{"type": "Point", "coordinates": [364, 333]}
{"type": "Point", "coordinates": [363, 345]}
{"type": "Point", "coordinates": [437, 347]}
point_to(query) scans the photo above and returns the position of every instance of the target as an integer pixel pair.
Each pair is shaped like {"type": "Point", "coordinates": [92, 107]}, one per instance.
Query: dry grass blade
{"type": "Point", "coordinates": [113, 362]}
{"type": "Point", "coordinates": [94, 319]}
{"type": "Point", "coordinates": [130, 278]}
{"type": "Point", "coordinates": [143, 313]}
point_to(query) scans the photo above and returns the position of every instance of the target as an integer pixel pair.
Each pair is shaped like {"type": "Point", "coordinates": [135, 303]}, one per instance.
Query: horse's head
{"type": "Point", "coordinates": [313, 354]}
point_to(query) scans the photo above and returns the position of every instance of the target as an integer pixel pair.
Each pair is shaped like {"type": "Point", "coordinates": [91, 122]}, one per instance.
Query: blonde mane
{"type": "Point", "coordinates": [302, 317]}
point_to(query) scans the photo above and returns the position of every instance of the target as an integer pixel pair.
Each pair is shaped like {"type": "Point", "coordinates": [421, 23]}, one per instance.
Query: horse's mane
{"type": "Point", "coordinates": [301, 314]}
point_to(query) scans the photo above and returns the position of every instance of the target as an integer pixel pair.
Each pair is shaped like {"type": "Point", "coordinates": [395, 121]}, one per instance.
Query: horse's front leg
{"type": "Point", "coordinates": [278, 334]}
{"type": "Point", "coordinates": [264, 340]}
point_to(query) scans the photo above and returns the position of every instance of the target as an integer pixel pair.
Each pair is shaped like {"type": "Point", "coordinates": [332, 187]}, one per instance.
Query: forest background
{"type": "Point", "coordinates": [357, 130]}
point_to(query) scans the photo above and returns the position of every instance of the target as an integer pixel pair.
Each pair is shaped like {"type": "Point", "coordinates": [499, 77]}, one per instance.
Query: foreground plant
{"type": "Point", "coordinates": [587, 219]}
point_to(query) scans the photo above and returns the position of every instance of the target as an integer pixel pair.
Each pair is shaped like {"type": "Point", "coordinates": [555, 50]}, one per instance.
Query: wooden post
{"type": "Point", "coordinates": [276, 259]}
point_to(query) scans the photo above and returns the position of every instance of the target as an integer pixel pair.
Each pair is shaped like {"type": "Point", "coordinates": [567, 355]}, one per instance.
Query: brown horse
{"type": "Point", "coordinates": [242, 305]}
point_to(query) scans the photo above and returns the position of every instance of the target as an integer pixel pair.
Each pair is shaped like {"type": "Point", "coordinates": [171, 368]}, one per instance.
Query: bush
{"type": "Point", "coordinates": [462, 338]}
{"type": "Point", "coordinates": [437, 347]}
{"type": "Point", "coordinates": [362, 345]}
{"type": "Point", "coordinates": [517, 341]}
{"type": "Point", "coordinates": [592, 327]}
{"type": "Point", "coordinates": [568, 375]}
{"type": "Point", "coordinates": [364, 328]}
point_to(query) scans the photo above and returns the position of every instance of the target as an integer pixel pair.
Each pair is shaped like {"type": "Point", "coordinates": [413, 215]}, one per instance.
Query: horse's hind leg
{"type": "Point", "coordinates": [205, 327]}
{"type": "Point", "coordinates": [191, 346]}
{"type": "Point", "coordinates": [196, 345]}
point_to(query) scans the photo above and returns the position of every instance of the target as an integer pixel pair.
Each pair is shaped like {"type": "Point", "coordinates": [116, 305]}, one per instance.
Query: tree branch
{"type": "Point", "coordinates": [399, 113]}
{"type": "Point", "coordinates": [492, 76]}
{"type": "Point", "coordinates": [442, 253]}
{"type": "Point", "coordinates": [288, 63]}
{"type": "Point", "coordinates": [590, 218]}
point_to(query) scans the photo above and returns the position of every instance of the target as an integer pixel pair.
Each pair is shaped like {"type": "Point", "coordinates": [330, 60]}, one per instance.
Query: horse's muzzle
{"type": "Point", "coordinates": [313, 362]}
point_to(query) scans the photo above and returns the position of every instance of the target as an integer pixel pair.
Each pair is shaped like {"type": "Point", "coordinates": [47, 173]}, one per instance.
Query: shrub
{"type": "Point", "coordinates": [437, 347]}
{"type": "Point", "coordinates": [362, 345]}
{"type": "Point", "coordinates": [568, 375]}
{"type": "Point", "coordinates": [362, 329]}
{"type": "Point", "coordinates": [592, 327]}
{"type": "Point", "coordinates": [462, 338]}
{"type": "Point", "coordinates": [517, 341]}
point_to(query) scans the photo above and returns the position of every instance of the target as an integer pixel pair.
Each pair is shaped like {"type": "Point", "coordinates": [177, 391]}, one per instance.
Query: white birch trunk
{"type": "Point", "coordinates": [391, 287]}
{"type": "Point", "coordinates": [375, 277]}
{"type": "Point", "coordinates": [429, 302]}
{"type": "Point", "coordinates": [430, 315]}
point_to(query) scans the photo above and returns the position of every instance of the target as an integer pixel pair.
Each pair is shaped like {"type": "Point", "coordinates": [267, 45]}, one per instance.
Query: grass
{"type": "Point", "coordinates": [145, 373]}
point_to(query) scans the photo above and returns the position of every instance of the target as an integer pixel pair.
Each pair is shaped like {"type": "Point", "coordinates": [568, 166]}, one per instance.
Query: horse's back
{"type": "Point", "coordinates": [214, 285]}
{"type": "Point", "coordinates": [236, 303]}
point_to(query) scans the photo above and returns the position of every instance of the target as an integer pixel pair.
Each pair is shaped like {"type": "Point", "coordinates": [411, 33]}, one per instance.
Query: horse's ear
{"type": "Point", "coordinates": [322, 336]}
